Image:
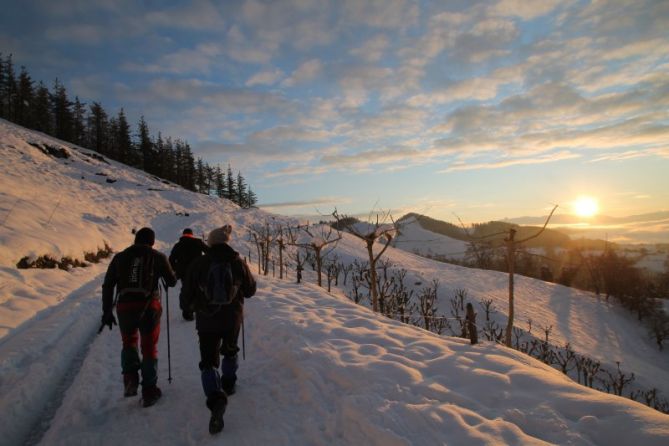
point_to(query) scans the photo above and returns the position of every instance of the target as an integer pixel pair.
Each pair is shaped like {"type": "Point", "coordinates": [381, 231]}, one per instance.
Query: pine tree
{"type": "Point", "coordinates": [146, 148]}
{"type": "Point", "coordinates": [231, 185]}
{"type": "Point", "coordinates": [61, 108]}
{"type": "Point", "coordinates": [111, 141]}
{"type": "Point", "coordinates": [170, 160]}
{"type": "Point", "coordinates": [78, 126]}
{"type": "Point", "coordinates": [219, 181]}
{"type": "Point", "coordinates": [8, 89]}
{"type": "Point", "coordinates": [123, 142]}
{"type": "Point", "coordinates": [161, 160]}
{"type": "Point", "coordinates": [241, 191]}
{"type": "Point", "coordinates": [97, 129]}
{"type": "Point", "coordinates": [200, 177]}
{"type": "Point", "coordinates": [3, 76]}
{"type": "Point", "coordinates": [189, 167]}
{"type": "Point", "coordinates": [24, 100]}
{"type": "Point", "coordinates": [252, 198]}
{"type": "Point", "coordinates": [42, 111]}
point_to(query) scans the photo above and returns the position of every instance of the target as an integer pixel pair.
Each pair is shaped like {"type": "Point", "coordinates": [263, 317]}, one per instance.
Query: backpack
{"type": "Point", "coordinates": [136, 276]}
{"type": "Point", "coordinates": [219, 288]}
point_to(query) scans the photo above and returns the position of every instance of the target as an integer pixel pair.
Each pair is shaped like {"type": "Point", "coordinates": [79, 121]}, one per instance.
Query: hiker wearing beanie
{"type": "Point", "coordinates": [135, 273]}
{"type": "Point", "coordinates": [216, 285]}
{"type": "Point", "coordinates": [187, 249]}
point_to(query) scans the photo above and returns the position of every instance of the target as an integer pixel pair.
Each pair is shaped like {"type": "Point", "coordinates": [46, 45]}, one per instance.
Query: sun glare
{"type": "Point", "coordinates": [585, 206]}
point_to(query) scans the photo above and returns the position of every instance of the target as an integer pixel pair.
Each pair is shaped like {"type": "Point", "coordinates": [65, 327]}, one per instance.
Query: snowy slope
{"type": "Point", "coordinates": [319, 369]}
{"type": "Point", "coordinates": [413, 238]}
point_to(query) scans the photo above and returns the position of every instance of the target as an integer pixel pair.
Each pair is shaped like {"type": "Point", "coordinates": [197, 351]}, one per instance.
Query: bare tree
{"type": "Point", "coordinates": [263, 236]}
{"type": "Point", "coordinates": [370, 233]}
{"type": "Point", "coordinates": [317, 239]}
{"type": "Point", "coordinates": [427, 304]}
{"type": "Point", "coordinates": [511, 247]}
{"type": "Point", "coordinates": [400, 303]}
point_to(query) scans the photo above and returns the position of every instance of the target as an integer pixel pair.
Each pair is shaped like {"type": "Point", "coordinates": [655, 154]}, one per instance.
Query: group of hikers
{"type": "Point", "coordinates": [214, 282]}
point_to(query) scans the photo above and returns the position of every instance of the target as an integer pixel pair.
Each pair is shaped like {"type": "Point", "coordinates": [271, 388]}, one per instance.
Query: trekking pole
{"type": "Point", "coordinates": [243, 340]}
{"type": "Point", "coordinates": [169, 356]}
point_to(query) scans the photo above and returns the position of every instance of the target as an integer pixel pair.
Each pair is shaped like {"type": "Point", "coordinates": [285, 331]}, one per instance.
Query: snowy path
{"type": "Point", "coordinates": [38, 358]}
{"type": "Point", "coordinates": [323, 371]}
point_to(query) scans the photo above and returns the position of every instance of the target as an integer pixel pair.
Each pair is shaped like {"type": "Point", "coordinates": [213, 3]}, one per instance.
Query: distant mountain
{"type": "Point", "coordinates": [567, 219]}
{"type": "Point", "coordinates": [493, 231]}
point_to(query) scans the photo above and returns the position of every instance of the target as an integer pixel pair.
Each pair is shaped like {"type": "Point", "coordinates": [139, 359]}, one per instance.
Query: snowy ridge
{"type": "Point", "coordinates": [319, 369]}
{"type": "Point", "coordinates": [413, 238]}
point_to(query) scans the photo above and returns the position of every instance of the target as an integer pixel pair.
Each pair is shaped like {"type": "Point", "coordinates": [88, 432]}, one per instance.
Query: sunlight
{"type": "Point", "coordinates": [585, 206]}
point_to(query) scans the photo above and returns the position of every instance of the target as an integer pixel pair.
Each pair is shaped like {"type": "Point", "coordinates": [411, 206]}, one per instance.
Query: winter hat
{"type": "Point", "coordinates": [187, 231]}
{"type": "Point", "coordinates": [219, 235]}
{"type": "Point", "coordinates": [145, 236]}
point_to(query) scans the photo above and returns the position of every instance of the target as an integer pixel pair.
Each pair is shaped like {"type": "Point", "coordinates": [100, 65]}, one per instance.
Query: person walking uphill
{"type": "Point", "coordinates": [135, 273]}
{"type": "Point", "coordinates": [187, 249]}
{"type": "Point", "coordinates": [216, 285]}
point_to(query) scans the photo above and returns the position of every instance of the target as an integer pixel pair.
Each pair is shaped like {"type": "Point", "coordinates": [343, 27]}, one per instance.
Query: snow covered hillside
{"type": "Point", "coordinates": [319, 369]}
{"type": "Point", "coordinates": [413, 238]}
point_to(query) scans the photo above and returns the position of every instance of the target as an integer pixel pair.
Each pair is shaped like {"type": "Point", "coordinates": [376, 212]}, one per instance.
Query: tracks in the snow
{"type": "Point", "coordinates": [39, 361]}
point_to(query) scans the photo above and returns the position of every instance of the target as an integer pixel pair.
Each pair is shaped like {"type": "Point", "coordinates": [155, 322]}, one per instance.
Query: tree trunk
{"type": "Point", "coordinates": [511, 258]}
{"type": "Point", "coordinates": [319, 264]}
{"type": "Point", "coordinates": [372, 276]}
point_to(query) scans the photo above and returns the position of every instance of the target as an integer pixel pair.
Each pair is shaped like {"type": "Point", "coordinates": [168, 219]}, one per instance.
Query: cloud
{"type": "Point", "coordinates": [373, 49]}
{"type": "Point", "coordinates": [307, 71]}
{"type": "Point", "coordinates": [265, 77]}
{"type": "Point", "coordinates": [382, 13]}
{"type": "Point", "coordinates": [200, 59]}
{"type": "Point", "coordinates": [81, 34]}
{"type": "Point", "coordinates": [242, 49]}
{"type": "Point", "coordinates": [549, 158]}
{"type": "Point", "coordinates": [286, 134]}
{"type": "Point", "coordinates": [304, 203]}
{"type": "Point", "coordinates": [523, 9]}
{"type": "Point", "coordinates": [196, 15]}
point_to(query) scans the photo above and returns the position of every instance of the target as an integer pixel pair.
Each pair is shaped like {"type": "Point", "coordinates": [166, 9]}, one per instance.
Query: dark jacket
{"type": "Point", "coordinates": [162, 269]}
{"type": "Point", "coordinates": [227, 316]}
{"type": "Point", "coordinates": [187, 249]}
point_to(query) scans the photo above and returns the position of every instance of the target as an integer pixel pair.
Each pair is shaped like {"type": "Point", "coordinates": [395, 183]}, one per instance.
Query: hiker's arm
{"type": "Point", "coordinates": [248, 281]}
{"type": "Point", "coordinates": [174, 256]}
{"type": "Point", "coordinates": [166, 271]}
{"type": "Point", "coordinates": [108, 286]}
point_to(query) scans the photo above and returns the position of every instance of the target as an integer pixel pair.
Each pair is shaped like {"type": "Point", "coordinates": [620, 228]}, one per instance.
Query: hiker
{"type": "Point", "coordinates": [216, 285]}
{"type": "Point", "coordinates": [135, 273]}
{"type": "Point", "coordinates": [187, 249]}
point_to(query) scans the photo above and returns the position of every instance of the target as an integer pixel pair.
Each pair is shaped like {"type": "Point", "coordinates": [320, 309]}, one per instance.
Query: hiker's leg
{"type": "Point", "coordinates": [149, 329]}
{"type": "Point", "coordinates": [128, 323]}
{"type": "Point", "coordinates": [209, 359]}
{"type": "Point", "coordinates": [230, 364]}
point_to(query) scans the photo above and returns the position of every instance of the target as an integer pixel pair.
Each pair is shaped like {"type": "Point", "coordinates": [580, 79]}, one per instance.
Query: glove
{"type": "Point", "coordinates": [108, 319]}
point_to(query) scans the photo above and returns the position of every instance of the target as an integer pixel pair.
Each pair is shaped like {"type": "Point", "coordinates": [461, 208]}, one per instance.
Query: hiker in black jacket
{"type": "Point", "coordinates": [218, 324]}
{"type": "Point", "coordinates": [187, 249]}
{"type": "Point", "coordinates": [135, 273]}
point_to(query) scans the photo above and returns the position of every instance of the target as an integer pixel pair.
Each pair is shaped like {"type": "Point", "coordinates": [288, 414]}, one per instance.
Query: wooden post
{"type": "Point", "coordinates": [511, 260]}
{"type": "Point", "coordinates": [470, 320]}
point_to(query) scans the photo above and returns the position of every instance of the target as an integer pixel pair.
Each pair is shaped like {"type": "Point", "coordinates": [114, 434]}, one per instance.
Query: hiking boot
{"type": "Point", "coordinates": [229, 389]}
{"type": "Point", "coordinates": [130, 384]}
{"type": "Point", "coordinates": [187, 315]}
{"type": "Point", "coordinates": [150, 395]}
{"type": "Point", "coordinates": [217, 405]}
{"type": "Point", "coordinates": [228, 385]}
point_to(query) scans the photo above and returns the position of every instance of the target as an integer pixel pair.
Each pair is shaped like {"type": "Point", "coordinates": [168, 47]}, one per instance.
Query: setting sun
{"type": "Point", "coordinates": [585, 206]}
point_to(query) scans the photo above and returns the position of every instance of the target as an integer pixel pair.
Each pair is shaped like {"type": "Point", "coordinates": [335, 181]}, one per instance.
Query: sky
{"type": "Point", "coordinates": [317, 368]}
{"type": "Point", "coordinates": [477, 109]}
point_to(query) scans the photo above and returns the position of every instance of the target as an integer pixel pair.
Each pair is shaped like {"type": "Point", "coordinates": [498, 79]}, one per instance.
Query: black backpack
{"type": "Point", "coordinates": [219, 288]}
{"type": "Point", "coordinates": [136, 275]}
